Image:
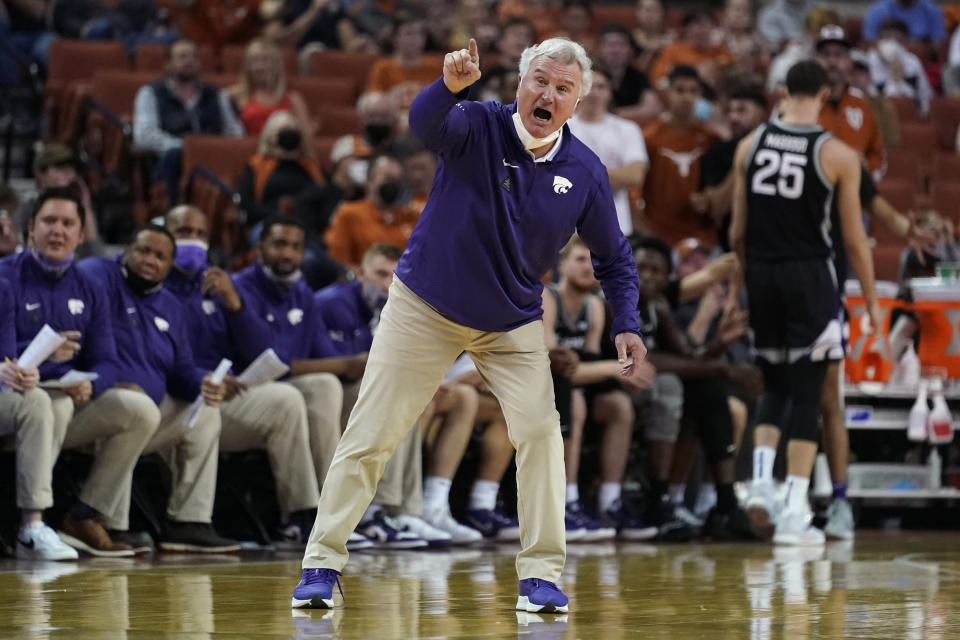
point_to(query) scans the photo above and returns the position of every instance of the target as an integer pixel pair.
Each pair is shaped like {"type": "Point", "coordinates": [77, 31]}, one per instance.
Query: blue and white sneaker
{"type": "Point", "coordinates": [358, 542]}
{"type": "Point", "coordinates": [424, 530]}
{"type": "Point", "coordinates": [627, 525]}
{"type": "Point", "coordinates": [541, 596]}
{"type": "Point", "coordinates": [315, 590]}
{"type": "Point", "coordinates": [582, 527]}
{"type": "Point", "coordinates": [387, 533]}
{"type": "Point", "coordinates": [493, 524]}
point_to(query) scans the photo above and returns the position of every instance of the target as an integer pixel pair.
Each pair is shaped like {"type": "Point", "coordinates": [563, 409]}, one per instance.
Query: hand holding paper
{"type": "Point", "coordinates": [43, 345]}
{"type": "Point", "coordinates": [211, 392]}
{"type": "Point", "coordinates": [266, 368]}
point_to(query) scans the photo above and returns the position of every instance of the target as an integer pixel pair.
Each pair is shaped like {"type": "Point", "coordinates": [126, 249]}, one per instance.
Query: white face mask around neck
{"type": "Point", "coordinates": [527, 139]}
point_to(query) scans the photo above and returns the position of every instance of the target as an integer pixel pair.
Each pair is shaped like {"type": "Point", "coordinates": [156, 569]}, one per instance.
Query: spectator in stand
{"type": "Point", "coordinates": [380, 122]}
{"type": "Point", "coordinates": [420, 167]}
{"type": "Point", "coordinates": [56, 166]}
{"type": "Point", "coordinates": [783, 21]}
{"type": "Point", "coordinates": [475, 20]}
{"type": "Point", "coordinates": [262, 90]}
{"type": "Point", "coordinates": [895, 72]}
{"type": "Point", "coordinates": [676, 143]}
{"type": "Point", "coordinates": [133, 22]}
{"type": "Point", "coordinates": [695, 49]}
{"type": "Point", "coordinates": [883, 110]}
{"type": "Point", "coordinates": [26, 413]}
{"type": "Point", "coordinates": [155, 361]}
{"type": "Point", "coordinates": [923, 18]}
{"type": "Point", "coordinates": [407, 71]}
{"type": "Point", "coordinates": [218, 22]}
{"type": "Point", "coordinates": [271, 416]}
{"type": "Point", "coordinates": [384, 215]}
{"type": "Point", "coordinates": [298, 23]}
{"type": "Point", "coordinates": [500, 84]}
{"type": "Point", "coordinates": [739, 36]}
{"type": "Point", "coordinates": [651, 35]}
{"type": "Point", "coordinates": [350, 312]}
{"type": "Point", "coordinates": [616, 141]}
{"type": "Point", "coordinates": [283, 168]}
{"type": "Point", "coordinates": [440, 22]}
{"type": "Point", "coordinates": [951, 73]}
{"type": "Point", "coordinates": [542, 14]}
{"type": "Point", "coordinates": [633, 97]}
{"type": "Point", "coordinates": [942, 247]}
{"type": "Point", "coordinates": [10, 238]}
{"type": "Point", "coordinates": [576, 23]}
{"type": "Point", "coordinates": [847, 114]}
{"type": "Point", "coordinates": [800, 47]}
{"type": "Point", "coordinates": [48, 289]}
{"type": "Point", "coordinates": [25, 38]}
{"type": "Point", "coordinates": [516, 34]}
{"type": "Point", "coordinates": [176, 105]}
{"type": "Point", "coordinates": [746, 110]}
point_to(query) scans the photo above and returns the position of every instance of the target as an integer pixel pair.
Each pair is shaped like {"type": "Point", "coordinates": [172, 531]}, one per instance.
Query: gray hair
{"type": "Point", "coordinates": [563, 51]}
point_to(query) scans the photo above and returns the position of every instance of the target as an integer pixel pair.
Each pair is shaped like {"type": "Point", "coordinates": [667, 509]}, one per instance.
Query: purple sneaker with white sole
{"type": "Point", "coordinates": [493, 524]}
{"type": "Point", "coordinates": [315, 590]}
{"type": "Point", "coordinates": [541, 596]}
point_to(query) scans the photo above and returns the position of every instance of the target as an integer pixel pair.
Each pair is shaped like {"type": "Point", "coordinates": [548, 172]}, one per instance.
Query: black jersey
{"type": "Point", "coordinates": [571, 332]}
{"type": "Point", "coordinates": [789, 200]}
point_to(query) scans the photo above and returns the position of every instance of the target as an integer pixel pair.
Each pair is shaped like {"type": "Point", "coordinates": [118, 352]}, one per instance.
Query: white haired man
{"type": "Point", "coordinates": [514, 184]}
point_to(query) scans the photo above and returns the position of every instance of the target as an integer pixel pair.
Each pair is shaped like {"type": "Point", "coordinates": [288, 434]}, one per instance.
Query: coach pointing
{"type": "Point", "coordinates": [513, 185]}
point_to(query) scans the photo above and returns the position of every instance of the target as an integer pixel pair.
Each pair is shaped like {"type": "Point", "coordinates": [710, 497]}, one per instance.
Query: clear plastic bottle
{"type": "Point", "coordinates": [919, 414]}
{"type": "Point", "coordinates": [940, 427]}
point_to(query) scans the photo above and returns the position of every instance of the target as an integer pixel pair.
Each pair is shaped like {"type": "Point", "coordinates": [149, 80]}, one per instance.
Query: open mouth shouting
{"type": "Point", "coordinates": [542, 115]}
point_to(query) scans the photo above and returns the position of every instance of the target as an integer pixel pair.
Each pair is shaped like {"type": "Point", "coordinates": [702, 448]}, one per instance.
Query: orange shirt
{"type": "Point", "coordinates": [358, 225]}
{"type": "Point", "coordinates": [675, 158]}
{"type": "Point", "coordinates": [387, 73]}
{"type": "Point", "coordinates": [682, 52]}
{"type": "Point", "coordinates": [851, 120]}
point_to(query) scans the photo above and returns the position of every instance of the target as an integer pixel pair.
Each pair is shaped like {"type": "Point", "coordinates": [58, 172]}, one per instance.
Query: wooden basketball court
{"type": "Point", "coordinates": [887, 585]}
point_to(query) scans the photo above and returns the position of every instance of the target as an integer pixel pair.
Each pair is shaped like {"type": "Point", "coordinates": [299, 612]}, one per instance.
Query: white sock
{"type": "Point", "coordinates": [609, 495]}
{"type": "Point", "coordinates": [796, 499]}
{"type": "Point", "coordinates": [708, 494]}
{"type": "Point", "coordinates": [483, 495]}
{"type": "Point", "coordinates": [436, 493]}
{"type": "Point", "coordinates": [371, 512]}
{"type": "Point", "coordinates": [763, 458]}
{"type": "Point", "coordinates": [573, 493]}
{"type": "Point", "coordinates": [677, 492]}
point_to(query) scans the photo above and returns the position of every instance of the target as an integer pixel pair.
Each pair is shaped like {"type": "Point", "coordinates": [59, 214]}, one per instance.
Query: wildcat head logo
{"type": "Point", "coordinates": [75, 306]}
{"type": "Point", "coordinates": [209, 307]}
{"type": "Point", "coordinates": [561, 184]}
{"type": "Point", "coordinates": [162, 324]}
{"type": "Point", "coordinates": [295, 316]}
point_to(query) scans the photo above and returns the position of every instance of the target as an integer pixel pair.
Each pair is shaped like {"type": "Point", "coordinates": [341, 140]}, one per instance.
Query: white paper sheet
{"type": "Point", "coordinates": [266, 368]}
{"type": "Point", "coordinates": [218, 375]}
{"type": "Point", "coordinates": [70, 379]}
{"type": "Point", "coordinates": [41, 347]}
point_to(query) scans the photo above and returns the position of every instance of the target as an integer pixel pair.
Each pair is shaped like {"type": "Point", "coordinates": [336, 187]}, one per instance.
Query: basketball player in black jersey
{"type": "Point", "coordinates": [787, 174]}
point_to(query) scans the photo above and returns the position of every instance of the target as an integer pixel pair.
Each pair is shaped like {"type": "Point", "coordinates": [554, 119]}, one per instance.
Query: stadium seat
{"type": "Point", "coordinates": [946, 198]}
{"type": "Point", "coordinates": [604, 15]}
{"type": "Point", "coordinates": [232, 55]}
{"type": "Point", "coordinates": [886, 261]}
{"type": "Point", "coordinates": [919, 137]}
{"type": "Point", "coordinates": [326, 91]}
{"type": "Point", "coordinates": [900, 193]}
{"type": "Point", "coordinates": [906, 109]}
{"type": "Point", "coordinates": [338, 121]}
{"type": "Point", "coordinates": [906, 165]}
{"type": "Point", "coordinates": [945, 118]}
{"type": "Point", "coordinates": [151, 57]}
{"type": "Point", "coordinates": [328, 62]}
{"type": "Point", "coordinates": [322, 146]}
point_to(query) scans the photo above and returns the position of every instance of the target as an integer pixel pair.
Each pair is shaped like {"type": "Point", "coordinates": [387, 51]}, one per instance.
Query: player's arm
{"type": "Point", "coordinates": [726, 268]}
{"type": "Point", "coordinates": [549, 319]}
{"type": "Point", "coordinates": [738, 211]}
{"type": "Point", "coordinates": [842, 166]}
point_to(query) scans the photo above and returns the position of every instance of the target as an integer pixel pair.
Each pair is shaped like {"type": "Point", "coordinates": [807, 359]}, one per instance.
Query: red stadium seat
{"type": "Point", "coordinates": [906, 109]}
{"type": "Point", "coordinates": [900, 193]}
{"type": "Point", "coordinates": [904, 165]}
{"type": "Point", "coordinates": [946, 198]}
{"type": "Point", "coordinates": [152, 57]}
{"type": "Point", "coordinates": [326, 91]}
{"type": "Point", "coordinates": [338, 121]}
{"type": "Point", "coordinates": [919, 137]}
{"type": "Point", "coordinates": [343, 64]}
{"type": "Point", "coordinates": [945, 117]}
{"type": "Point", "coordinates": [604, 15]}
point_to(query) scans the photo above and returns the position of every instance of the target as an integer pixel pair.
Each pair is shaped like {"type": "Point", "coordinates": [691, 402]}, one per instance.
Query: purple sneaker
{"type": "Point", "coordinates": [541, 596]}
{"type": "Point", "coordinates": [315, 590]}
{"type": "Point", "coordinates": [493, 524]}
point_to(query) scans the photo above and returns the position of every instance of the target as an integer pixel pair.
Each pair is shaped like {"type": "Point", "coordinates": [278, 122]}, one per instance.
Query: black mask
{"type": "Point", "coordinates": [138, 284]}
{"type": "Point", "coordinates": [288, 139]}
{"type": "Point", "coordinates": [377, 133]}
{"type": "Point", "coordinates": [390, 192]}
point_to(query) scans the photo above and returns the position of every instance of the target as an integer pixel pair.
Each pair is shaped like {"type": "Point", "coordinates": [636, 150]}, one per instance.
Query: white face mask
{"type": "Point", "coordinates": [528, 141]}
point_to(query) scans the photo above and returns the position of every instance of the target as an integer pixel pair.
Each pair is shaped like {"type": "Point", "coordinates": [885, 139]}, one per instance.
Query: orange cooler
{"type": "Point", "coordinates": [937, 305]}
{"type": "Point", "coordinates": [868, 357]}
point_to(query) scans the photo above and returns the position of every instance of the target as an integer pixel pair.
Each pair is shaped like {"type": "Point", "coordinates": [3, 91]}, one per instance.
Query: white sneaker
{"type": "Point", "coordinates": [444, 521]}
{"type": "Point", "coordinates": [358, 542]}
{"type": "Point", "coordinates": [839, 521]}
{"type": "Point", "coordinates": [424, 530]}
{"type": "Point", "coordinates": [760, 505]}
{"type": "Point", "coordinates": [794, 528]}
{"type": "Point", "coordinates": [37, 541]}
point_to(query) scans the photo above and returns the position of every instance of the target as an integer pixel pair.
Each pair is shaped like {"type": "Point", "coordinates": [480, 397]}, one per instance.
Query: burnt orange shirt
{"type": "Point", "coordinates": [675, 158]}
{"type": "Point", "coordinates": [387, 73]}
{"type": "Point", "coordinates": [682, 52]}
{"type": "Point", "coordinates": [358, 225]}
{"type": "Point", "coordinates": [851, 120]}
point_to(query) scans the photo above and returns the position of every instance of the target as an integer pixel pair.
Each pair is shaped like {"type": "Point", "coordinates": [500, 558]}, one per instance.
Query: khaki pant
{"type": "Point", "coordinates": [401, 485]}
{"type": "Point", "coordinates": [113, 419]}
{"type": "Point", "coordinates": [413, 348]}
{"type": "Point", "coordinates": [29, 415]}
{"type": "Point", "coordinates": [323, 395]}
{"type": "Point", "coordinates": [274, 417]}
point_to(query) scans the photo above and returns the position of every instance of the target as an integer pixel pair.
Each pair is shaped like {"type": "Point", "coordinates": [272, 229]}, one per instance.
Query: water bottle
{"type": "Point", "coordinates": [940, 427]}
{"type": "Point", "coordinates": [919, 413]}
{"type": "Point", "coordinates": [934, 466]}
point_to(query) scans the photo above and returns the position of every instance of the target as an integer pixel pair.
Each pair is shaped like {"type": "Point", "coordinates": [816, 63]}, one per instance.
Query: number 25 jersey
{"type": "Point", "coordinates": [789, 198]}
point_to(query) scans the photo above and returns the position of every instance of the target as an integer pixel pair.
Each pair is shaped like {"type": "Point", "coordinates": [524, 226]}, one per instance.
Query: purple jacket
{"type": "Point", "coordinates": [496, 220]}
{"type": "Point", "coordinates": [346, 317]}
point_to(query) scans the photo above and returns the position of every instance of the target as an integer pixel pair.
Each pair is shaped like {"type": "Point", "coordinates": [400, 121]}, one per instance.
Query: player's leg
{"type": "Point", "coordinates": [413, 348]}
{"type": "Point", "coordinates": [516, 368]}
{"type": "Point", "coordinates": [836, 444]}
{"type": "Point", "coordinates": [575, 520]}
{"type": "Point", "coordinates": [496, 453]}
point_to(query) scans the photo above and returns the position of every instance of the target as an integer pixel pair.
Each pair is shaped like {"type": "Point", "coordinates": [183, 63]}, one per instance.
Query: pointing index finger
{"type": "Point", "coordinates": [474, 53]}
